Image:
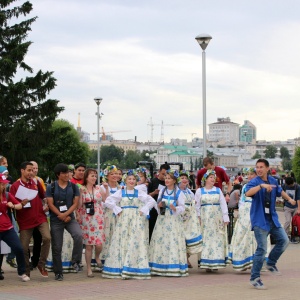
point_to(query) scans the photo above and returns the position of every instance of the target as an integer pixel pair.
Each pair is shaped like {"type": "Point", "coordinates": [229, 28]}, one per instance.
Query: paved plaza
{"type": "Point", "coordinates": [226, 284]}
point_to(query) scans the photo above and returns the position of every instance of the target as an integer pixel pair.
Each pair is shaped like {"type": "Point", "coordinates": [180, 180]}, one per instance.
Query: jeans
{"type": "Point", "coordinates": [11, 255]}
{"type": "Point", "coordinates": [57, 233]}
{"type": "Point", "coordinates": [261, 235]}
{"type": "Point", "coordinates": [12, 240]}
{"type": "Point", "coordinates": [25, 236]}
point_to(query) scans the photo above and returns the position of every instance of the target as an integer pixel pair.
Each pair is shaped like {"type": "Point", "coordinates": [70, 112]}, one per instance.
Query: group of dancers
{"type": "Point", "coordinates": [114, 220]}
{"type": "Point", "coordinates": [187, 224]}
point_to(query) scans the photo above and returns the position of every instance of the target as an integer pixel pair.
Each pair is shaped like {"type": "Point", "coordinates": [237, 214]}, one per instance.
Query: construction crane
{"type": "Point", "coordinates": [162, 125]}
{"type": "Point", "coordinates": [104, 133]}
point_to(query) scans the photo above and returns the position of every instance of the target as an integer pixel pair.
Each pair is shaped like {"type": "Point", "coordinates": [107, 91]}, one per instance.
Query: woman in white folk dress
{"type": "Point", "coordinates": [110, 186]}
{"type": "Point", "coordinates": [214, 220]}
{"type": "Point", "coordinates": [144, 179]}
{"type": "Point", "coordinates": [192, 228]}
{"type": "Point", "coordinates": [167, 246]}
{"type": "Point", "coordinates": [128, 252]}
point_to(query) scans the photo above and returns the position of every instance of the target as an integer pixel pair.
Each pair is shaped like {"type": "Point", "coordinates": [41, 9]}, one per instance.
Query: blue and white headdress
{"type": "Point", "coordinates": [129, 173]}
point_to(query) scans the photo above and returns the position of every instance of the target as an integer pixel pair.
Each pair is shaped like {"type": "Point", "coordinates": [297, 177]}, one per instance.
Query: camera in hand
{"type": "Point", "coordinates": [163, 209]}
{"type": "Point", "coordinates": [89, 208]}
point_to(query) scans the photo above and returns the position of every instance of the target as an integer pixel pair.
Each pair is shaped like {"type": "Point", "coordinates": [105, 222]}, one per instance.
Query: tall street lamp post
{"type": "Point", "coordinates": [203, 40]}
{"type": "Point", "coordinates": [98, 102]}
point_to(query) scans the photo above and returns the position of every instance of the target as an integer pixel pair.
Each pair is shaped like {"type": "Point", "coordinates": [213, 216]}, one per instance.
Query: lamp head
{"type": "Point", "coordinates": [203, 39]}
{"type": "Point", "coordinates": [98, 100]}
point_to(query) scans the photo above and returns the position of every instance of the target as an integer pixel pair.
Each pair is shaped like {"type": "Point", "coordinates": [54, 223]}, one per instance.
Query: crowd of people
{"type": "Point", "coordinates": [133, 226]}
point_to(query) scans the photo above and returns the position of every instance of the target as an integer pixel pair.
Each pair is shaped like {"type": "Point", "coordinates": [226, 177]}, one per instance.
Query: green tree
{"type": "Point", "coordinates": [196, 164]}
{"type": "Point", "coordinates": [270, 151]}
{"type": "Point", "coordinates": [25, 116]}
{"type": "Point", "coordinates": [296, 164]}
{"type": "Point", "coordinates": [192, 164]}
{"type": "Point", "coordinates": [111, 152]}
{"type": "Point", "coordinates": [284, 153]}
{"type": "Point", "coordinates": [287, 164]}
{"type": "Point", "coordinates": [210, 154]}
{"type": "Point", "coordinates": [64, 146]}
{"type": "Point", "coordinates": [256, 155]}
{"type": "Point", "coordinates": [130, 159]}
{"type": "Point", "coordinates": [93, 158]}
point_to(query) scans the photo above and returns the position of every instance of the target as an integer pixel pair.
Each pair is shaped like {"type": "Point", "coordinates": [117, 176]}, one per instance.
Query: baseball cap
{"type": "Point", "coordinates": [3, 179]}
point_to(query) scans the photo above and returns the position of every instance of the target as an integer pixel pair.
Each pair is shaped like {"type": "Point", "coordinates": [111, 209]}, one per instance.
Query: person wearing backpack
{"type": "Point", "coordinates": [62, 198]}
{"type": "Point", "coordinates": [293, 190]}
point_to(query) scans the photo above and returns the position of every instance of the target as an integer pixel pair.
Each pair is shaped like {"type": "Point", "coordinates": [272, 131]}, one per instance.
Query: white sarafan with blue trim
{"type": "Point", "coordinates": [213, 214]}
{"type": "Point", "coordinates": [192, 228]}
{"type": "Point", "coordinates": [243, 242]}
{"type": "Point", "coordinates": [128, 252]}
{"type": "Point", "coordinates": [167, 254]}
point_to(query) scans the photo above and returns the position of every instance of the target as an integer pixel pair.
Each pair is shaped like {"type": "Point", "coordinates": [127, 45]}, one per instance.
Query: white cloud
{"type": "Point", "coordinates": [143, 60]}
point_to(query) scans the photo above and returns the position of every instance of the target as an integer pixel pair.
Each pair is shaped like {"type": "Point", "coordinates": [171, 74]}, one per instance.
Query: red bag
{"type": "Point", "coordinates": [296, 226]}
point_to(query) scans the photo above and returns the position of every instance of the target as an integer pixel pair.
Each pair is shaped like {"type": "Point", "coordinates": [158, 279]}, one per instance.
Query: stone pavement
{"type": "Point", "coordinates": [226, 284]}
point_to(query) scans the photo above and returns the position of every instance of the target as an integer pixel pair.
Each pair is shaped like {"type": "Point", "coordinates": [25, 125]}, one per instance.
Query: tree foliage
{"type": "Point", "coordinates": [270, 151]}
{"type": "Point", "coordinates": [296, 164]}
{"type": "Point", "coordinates": [287, 164]}
{"type": "Point", "coordinates": [111, 153]}
{"type": "Point", "coordinates": [64, 146]}
{"type": "Point", "coordinates": [284, 153]}
{"type": "Point", "coordinates": [25, 116]}
{"type": "Point", "coordinates": [131, 158]}
{"type": "Point", "coordinates": [256, 155]}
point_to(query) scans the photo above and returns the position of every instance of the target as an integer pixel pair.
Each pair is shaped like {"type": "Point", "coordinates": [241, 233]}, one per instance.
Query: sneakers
{"type": "Point", "coordinates": [12, 263]}
{"type": "Point", "coordinates": [273, 270]}
{"type": "Point", "coordinates": [59, 277]}
{"type": "Point", "coordinates": [257, 283]}
{"type": "Point", "coordinates": [77, 267]}
{"type": "Point", "coordinates": [42, 270]}
{"type": "Point", "coordinates": [1, 276]}
{"type": "Point", "coordinates": [293, 241]}
{"type": "Point", "coordinates": [24, 278]}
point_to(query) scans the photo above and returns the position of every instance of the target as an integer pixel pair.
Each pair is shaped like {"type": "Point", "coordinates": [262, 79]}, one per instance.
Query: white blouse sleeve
{"type": "Point", "coordinates": [160, 194]}
{"type": "Point", "coordinates": [180, 204]}
{"type": "Point", "coordinates": [142, 187]}
{"type": "Point", "coordinates": [112, 201]}
{"type": "Point", "coordinates": [148, 201]}
{"type": "Point", "coordinates": [224, 207]}
{"type": "Point", "coordinates": [198, 201]}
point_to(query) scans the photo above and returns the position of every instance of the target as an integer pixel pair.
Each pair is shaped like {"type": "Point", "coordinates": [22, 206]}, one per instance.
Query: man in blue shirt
{"type": "Point", "coordinates": [264, 220]}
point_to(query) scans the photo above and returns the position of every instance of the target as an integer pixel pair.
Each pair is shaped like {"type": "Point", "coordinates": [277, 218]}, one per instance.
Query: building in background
{"type": "Point", "coordinates": [223, 131]}
{"type": "Point", "coordinates": [247, 133]}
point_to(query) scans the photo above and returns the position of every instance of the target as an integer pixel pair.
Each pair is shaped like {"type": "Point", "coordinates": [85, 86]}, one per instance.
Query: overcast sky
{"type": "Point", "coordinates": [142, 58]}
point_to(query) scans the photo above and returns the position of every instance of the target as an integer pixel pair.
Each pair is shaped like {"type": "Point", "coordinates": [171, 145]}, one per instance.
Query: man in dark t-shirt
{"type": "Point", "coordinates": [156, 184]}
{"type": "Point", "coordinates": [62, 198]}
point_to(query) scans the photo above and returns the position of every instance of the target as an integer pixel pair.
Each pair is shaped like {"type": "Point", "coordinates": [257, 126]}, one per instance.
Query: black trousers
{"type": "Point", "coordinates": [152, 221]}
